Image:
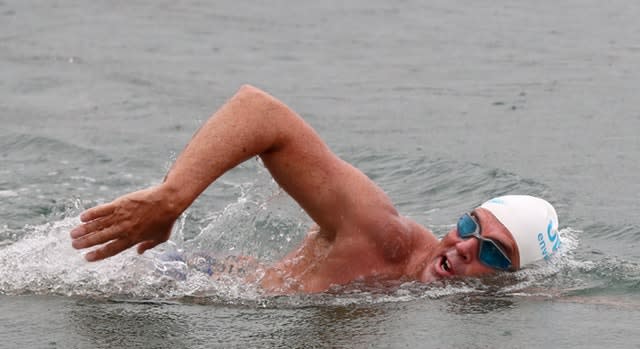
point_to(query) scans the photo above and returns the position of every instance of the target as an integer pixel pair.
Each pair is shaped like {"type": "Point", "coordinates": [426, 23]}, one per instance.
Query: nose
{"type": "Point", "coordinates": [467, 249]}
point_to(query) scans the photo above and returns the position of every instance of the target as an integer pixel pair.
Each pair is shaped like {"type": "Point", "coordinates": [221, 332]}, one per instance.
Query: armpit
{"type": "Point", "coordinates": [394, 238]}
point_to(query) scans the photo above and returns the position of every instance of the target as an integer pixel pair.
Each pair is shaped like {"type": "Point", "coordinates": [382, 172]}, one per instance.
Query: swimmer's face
{"type": "Point", "coordinates": [455, 256]}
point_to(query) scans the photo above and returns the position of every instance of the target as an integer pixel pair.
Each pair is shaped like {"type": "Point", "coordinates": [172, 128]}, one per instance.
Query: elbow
{"type": "Point", "coordinates": [258, 99]}
{"type": "Point", "coordinates": [276, 118]}
{"type": "Point", "coordinates": [246, 88]}
{"type": "Point", "coordinates": [249, 92]}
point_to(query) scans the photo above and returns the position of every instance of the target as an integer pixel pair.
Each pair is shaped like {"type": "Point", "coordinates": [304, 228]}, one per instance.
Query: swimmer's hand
{"type": "Point", "coordinates": [143, 217]}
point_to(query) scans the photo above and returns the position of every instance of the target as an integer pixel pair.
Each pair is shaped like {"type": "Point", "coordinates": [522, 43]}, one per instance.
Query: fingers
{"type": "Point", "coordinates": [95, 238]}
{"type": "Point", "coordinates": [108, 250]}
{"type": "Point", "coordinates": [97, 212]}
{"type": "Point", "coordinates": [95, 219]}
{"type": "Point", "coordinates": [146, 245]}
{"type": "Point", "coordinates": [90, 227]}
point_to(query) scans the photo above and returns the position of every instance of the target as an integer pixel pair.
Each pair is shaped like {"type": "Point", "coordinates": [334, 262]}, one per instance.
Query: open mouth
{"type": "Point", "coordinates": [445, 265]}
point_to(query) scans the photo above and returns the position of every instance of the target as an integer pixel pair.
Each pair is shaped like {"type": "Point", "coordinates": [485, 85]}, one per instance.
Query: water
{"type": "Point", "coordinates": [444, 104]}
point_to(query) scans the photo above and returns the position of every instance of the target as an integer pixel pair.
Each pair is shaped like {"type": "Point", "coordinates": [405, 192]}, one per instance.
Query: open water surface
{"type": "Point", "coordinates": [443, 103]}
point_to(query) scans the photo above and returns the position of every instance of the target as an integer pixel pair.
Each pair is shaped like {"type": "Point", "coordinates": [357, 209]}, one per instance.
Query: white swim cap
{"type": "Point", "coordinates": [532, 221]}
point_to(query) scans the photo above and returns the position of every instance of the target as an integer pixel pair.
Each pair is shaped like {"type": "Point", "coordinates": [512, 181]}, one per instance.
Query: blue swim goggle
{"type": "Point", "coordinates": [489, 253]}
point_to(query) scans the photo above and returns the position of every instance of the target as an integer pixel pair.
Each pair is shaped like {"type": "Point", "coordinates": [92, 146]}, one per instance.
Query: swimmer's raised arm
{"type": "Point", "coordinates": [251, 123]}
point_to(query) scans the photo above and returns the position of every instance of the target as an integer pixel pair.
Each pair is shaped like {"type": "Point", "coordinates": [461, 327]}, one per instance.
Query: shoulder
{"type": "Point", "coordinates": [395, 237]}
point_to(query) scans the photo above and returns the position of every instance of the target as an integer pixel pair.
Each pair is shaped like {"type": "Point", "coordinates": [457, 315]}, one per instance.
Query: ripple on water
{"type": "Point", "coordinates": [263, 222]}
{"type": "Point", "coordinates": [43, 262]}
{"type": "Point", "coordinates": [8, 194]}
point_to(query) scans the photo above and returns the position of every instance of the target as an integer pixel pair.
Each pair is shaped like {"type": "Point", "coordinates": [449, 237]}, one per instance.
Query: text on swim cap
{"type": "Point", "coordinates": [552, 238]}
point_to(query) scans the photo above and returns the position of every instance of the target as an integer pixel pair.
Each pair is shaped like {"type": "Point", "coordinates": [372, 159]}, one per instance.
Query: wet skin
{"type": "Point", "coordinates": [318, 263]}
{"type": "Point", "coordinates": [455, 256]}
{"type": "Point", "coordinates": [360, 236]}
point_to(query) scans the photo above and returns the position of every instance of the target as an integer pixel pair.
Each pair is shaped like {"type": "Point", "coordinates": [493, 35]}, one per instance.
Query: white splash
{"type": "Point", "coordinates": [42, 261]}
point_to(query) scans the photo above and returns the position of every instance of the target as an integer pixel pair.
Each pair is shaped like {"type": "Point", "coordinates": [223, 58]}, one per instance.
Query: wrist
{"type": "Point", "coordinates": [172, 199]}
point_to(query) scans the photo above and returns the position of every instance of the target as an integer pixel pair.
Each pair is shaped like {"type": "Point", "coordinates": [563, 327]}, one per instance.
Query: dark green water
{"type": "Point", "coordinates": [444, 104]}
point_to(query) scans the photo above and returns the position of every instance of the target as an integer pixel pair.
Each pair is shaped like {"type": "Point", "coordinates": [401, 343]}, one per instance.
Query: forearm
{"type": "Point", "coordinates": [249, 124]}
{"type": "Point", "coordinates": [336, 195]}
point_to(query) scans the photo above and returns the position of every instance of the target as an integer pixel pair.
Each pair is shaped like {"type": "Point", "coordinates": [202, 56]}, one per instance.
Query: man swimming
{"type": "Point", "coordinates": [359, 235]}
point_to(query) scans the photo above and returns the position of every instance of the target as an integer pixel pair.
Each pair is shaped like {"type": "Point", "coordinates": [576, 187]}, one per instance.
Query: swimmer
{"type": "Point", "coordinates": [359, 236]}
